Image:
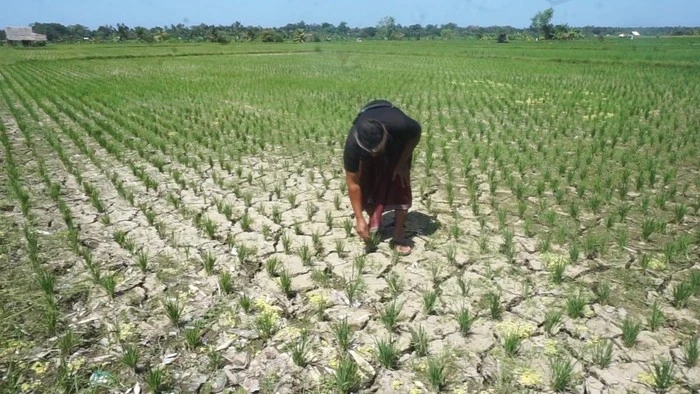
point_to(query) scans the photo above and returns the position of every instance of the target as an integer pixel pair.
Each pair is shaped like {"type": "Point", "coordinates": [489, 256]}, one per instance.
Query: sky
{"type": "Point", "coordinates": [356, 13]}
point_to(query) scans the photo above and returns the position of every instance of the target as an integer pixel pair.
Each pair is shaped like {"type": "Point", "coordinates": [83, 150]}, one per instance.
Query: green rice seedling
{"type": "Point", "coordinates": [340, 247]}
{"type": "Point", "coordinates": [464, 287]}
{"type": "Point", "coordinates": [690, 352]}
{"type": "Point", "coordinates": [451, 254]}
{"type": "Point", "coordinates": [348, 227]}
{"type": "Point", "coordinates": [321, 277]}
{"type": "Point", "coordinates": [387, 353]}
{"type": "Point", "coordinates": [248, 199]}
{"type": "Point", "coordinates": [622, 238]}
{"type": "Point", "coordinates": [649, 226]}
{"type": "Point", "coordinates": [66, 343]}
{"type": "Point", "coordinates": [272, 266]}
{"type": "Point", "coordinates": [694, 280]}
{"type": "Point", "coordinates": [245, 253]}
{"type": "Point", "coordinates": [336, 202]}
{"type": "Point", "coordinates": [574, 253]}
{"type": "Point", "coordinates": [130, 357]}
{"type": "Point", "coordinates": [266, 231]}
{"type": "Point", "coordinates": [395, 284]}
{"type": "Point", "coordinates": [602, 292]}
{"type": "Point", "coordinates": [656, 317]}
{"type": "Point", "coordinates": [286, 243]}
{"type": "Point", "coordinates": [285, 283]}
{"type": "Point", "coordinates": [266, 325]}
{"type": "Point", "coordinates": [602, 353]}
{"type": "Point", "coordinates": [610, 221]}
{"type": "Point", "coordinates": [681, 294]}
{"type": "Point", "coordinates": [574, 210]}
{"type": "Point", "coordinates": [304, 253]}
{"type": "Point", "coordinates": [430, 298]}
{"type": "Point", "coordinates": [575, 305]}
{"type": "Point", "coordinates": [109, 283]}
{"type": "Point", "coordinates": [119, 237]}
{"type": "Point", "coordinates": [623, 210]}
{"type": "Point", "coordinates": [317, 244]}
{"type": "Point", "coordinates": [556, 270]}
{"type": "Point", "coordinates": [630, 330]}
{"type": "Point", "coordinates": [437, 370]}
{"type": "Point", "coordinates": [594, 203]}
{"type": "Point", "coordinates": [484, 244]}
{"type": "Point", "coordinates": [508, 244]}
{"type": "Point", "coordinates": [300, 352]}
{"type": "Point", "coordinates": [297, 227]}
{"type": "Point", "coordinates": [562, 373]}
{"type": "Point", "coordinates": [359, 263]}
{"type": "Point", "coordinates": [544, 244]}
{"type": "Point", "coordinates": [329, 220]}
{"type": "Point", "coordinates": [311, 210]}
{"type": "Point", "coordinates": [246, 222]}
{"type": "Point", "coordinates": [208, 261]}
{"type": "Point", "coordinates": [456, 231]}
{"type": "Point", "coordinates": [493, 301]}
{"type": "Point", "coordinates": [226, 282]}
{"type": "Point", "coordinates": [343, 334]}
{"type": "Point", "coordinates": [390, 315]}
{"type": "Point", "coordinates": [353, 287]}
{"type": "Point", "coordinates": [216, 360]}
{"type": "Point", "coordinates": [664, 375]}
{"type": "Point", "coordinates": [501, 218]}
{"type": "Point", "coordinates": [419, 341]}
{"type": "Point", "coordinates": [193, 337]}
{"type": "Point", "coordinates": [679, 212]}
{"type": "Point", "coordinates": [511, 344]}
{"type": "Point", "coordinates": [161, 229]}
{"type": "Point", "coordinates": [46, 281]}
{"type": "Point", "coordinates": [552, 318]}
{"type": "Point", "coordinates": [292, 199]}
{"type": "Point", "coordinates": [276, 215]}
{"type": "Point", "coordinates": [174, 311]}
{"type": "Point", "coordinates": [465, 321]}
{"type": "Point", "coordinates": [374, 241]}
{"type": "Point", "coordinates": [155, 379]}
{"type": "Point", "coordinates": [105, 219]}
{"type": "Point", "coordinates": [346, 378]}
{"type": "Point", "coordinates": [142, 260]}
{"type": "Point", "coordinates": [245, 302]}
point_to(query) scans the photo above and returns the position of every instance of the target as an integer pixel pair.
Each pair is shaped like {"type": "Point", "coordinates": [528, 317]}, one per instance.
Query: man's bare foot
{"type": "Point", "coordinates": [402, 246]}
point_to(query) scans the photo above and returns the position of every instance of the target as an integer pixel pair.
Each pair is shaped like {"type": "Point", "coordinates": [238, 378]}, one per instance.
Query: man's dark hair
{"type": "Point", "coordinates": [370, 133]}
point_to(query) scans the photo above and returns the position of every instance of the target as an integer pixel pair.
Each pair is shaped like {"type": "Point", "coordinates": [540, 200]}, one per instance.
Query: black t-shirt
{"type": "Point", "coordinates": [400, 127]}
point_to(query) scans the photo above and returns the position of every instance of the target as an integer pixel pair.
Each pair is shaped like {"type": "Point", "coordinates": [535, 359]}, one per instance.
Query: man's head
{"type": "Point", "coordinates": [371, 136]}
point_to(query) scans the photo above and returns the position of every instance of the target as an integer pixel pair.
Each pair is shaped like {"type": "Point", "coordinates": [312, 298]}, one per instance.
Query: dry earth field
{"type": "Point", "coordinates": [174, 219]}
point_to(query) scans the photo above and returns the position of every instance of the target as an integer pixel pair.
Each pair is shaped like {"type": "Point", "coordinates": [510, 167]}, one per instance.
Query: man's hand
{"type": "Point", "coordinates": [362, 228]}
{"type": "Point", "coordinates": [401, 171]}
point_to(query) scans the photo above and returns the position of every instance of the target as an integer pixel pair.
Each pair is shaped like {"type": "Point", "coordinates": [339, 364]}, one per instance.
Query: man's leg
{"type": "Point", "coordinates": [399, 223]}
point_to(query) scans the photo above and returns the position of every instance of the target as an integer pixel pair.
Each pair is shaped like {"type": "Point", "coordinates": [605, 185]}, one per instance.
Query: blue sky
{"type": "Point", "coordinates": [357, 13]}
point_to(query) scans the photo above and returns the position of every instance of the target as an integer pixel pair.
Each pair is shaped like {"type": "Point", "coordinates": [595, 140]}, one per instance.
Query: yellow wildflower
{"type": "Point", "coordinates": [647, 379]}
{"type": "Point", "coordinates": [657, 264]}
{"type": "Point", "coordinates": [75, 364]}
{"type": "Point", "coordinates": [39, 368]}
{"type": "Point", "coordinates": [530, 378]}
{"type": "Point", "coordinates": [551, 347]}
{"type": "Point", "coordinates": [366, 350]}
{"type": "Point", "coordinates": [415, 390]}
{"type": "Point", "coordinates": [318, 300]}
{"type": "Point", "coordinates": [396, 385]}
{"type": "Point", "coordinates": [333, 361]}
{"type": "Point", "coordinates": [289, 334]}
{"type": "Point", "coordinates": [521, 328]}
{"type": "Point", "coordinates": [126, 330]}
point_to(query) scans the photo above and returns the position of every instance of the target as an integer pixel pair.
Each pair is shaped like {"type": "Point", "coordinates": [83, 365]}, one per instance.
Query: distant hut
{"type": "Point", "coordinates": [24, 36]}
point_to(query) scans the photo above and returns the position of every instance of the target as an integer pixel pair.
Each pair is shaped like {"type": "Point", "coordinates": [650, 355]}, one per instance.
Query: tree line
{"type": "Point", "coordinates": [385, 29]}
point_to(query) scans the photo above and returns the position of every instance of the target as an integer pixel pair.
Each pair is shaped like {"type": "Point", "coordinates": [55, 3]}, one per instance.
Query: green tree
{"type": "Point", "coordinates": [542, 23]}
{"type": "Point", "coordinates": [122, 31]}
{"type": "Point", "coordinates": [386, 28]}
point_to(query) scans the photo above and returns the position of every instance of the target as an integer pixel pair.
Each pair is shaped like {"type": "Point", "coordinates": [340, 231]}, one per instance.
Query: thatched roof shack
{"type": "Point", "coordinates": [23, 35]}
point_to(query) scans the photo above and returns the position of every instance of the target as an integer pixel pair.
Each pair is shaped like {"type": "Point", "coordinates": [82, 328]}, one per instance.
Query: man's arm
{"type": "Point", "coordinates": [353, 181]}
{"type": "Point", "coordinates": [408, 151]}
